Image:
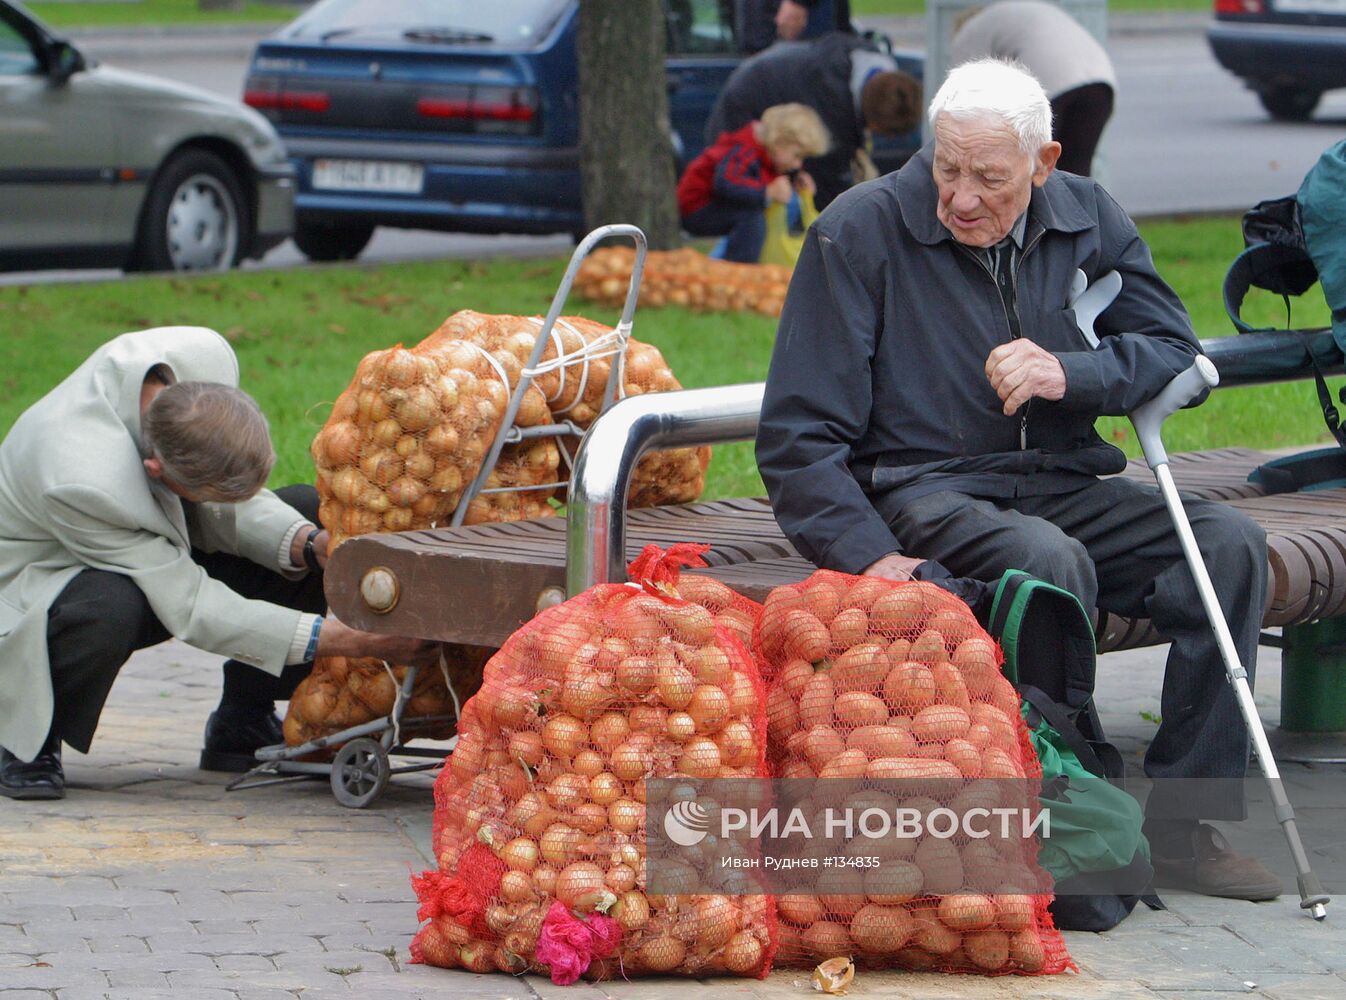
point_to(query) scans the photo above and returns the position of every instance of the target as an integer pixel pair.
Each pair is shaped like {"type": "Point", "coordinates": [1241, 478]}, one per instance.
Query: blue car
{"type": "Point", "coordinates": [1287, 51]}
{"type": "Point", "coordinates": [448, 115]}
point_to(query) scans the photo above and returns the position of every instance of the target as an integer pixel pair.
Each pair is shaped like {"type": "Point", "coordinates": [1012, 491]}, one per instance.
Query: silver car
{"type": "Point", "coordinates": [105, 168]}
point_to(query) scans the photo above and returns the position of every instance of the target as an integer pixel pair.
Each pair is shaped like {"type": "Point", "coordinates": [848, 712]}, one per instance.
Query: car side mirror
{"type": "Point", "coordinates": [63, 61]}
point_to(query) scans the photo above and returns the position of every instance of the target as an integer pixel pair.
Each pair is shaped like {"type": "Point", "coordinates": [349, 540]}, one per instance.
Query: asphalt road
{"type": "Point", "coordinates": [1186, 136]}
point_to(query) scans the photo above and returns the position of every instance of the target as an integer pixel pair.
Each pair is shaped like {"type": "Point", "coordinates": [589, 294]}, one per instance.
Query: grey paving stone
{"type": "Point", "coordinates": [101, 943]}
{"type": "Point", "coordinates": [98, 913]}
{"type": "Point", "coordinates": [223, 928]}
{"type": "Point", "coordinates": [17, 994]}
{"type": "Point", "coordinates": [137, 979]}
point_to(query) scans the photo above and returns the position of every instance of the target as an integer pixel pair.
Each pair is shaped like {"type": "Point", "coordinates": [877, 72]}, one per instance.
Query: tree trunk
{"type": "Point", "coordinates": [626, 152]}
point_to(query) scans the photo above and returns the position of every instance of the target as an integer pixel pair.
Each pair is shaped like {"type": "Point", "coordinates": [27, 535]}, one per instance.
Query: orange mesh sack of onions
{"type": "Point", "coordinates": [341, 692]}
{"type": "Point", "coordinates": [409, 434]}
{"type": "Point", "coordinates": [573, 376]}
{"type": "Point", "coordinates": [539, 823]}
{"type": "Point", "coordinates": [895, 688]}
{"type": "Point", "coordinates": [686, 278]}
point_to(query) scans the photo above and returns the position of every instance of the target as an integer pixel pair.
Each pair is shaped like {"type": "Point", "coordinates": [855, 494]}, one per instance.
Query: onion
{"type": "Point", "coordinates": [662, 954]}
{"type": "Point", "coordinates": [564, 736]}
{"type": "Point", "coordinates": [558, 843]}
{"type": "Point", "coordinates": [567, 791]}
{"type": "Point", "coordinates": [716, 921]}
{"type": "Point", "coordinates": [580, 887]}
{"type": "Point", "coordinates": [649, 719]}
{"type": "Point", "coordinates": [710, 664]}
{"type": "Point", "coordinates": [633, 760]}
{"type": "Point", "coordinates": [442, 439]}
{"type": "Point", "coordinates": [406, 491]}
{"type": "Point", "coordinates": [743, 697]}
{"type": "Point", "coordinates": [675, 681]}
{"type": "Point", "coordinates": [400, 367]}
{"type": "Point", "coordinates": [526, 746]}
{"type": "Point", "coordinates": [420, 465]}
{"type": "Point", "coordinates": [338, 444]}
{"type": "Point", "coordinates": [398, 519]}
{"type": "Point", "coordinates": [626, 816]}
{"type": "Point", "coordinates": [743, 953]}
{"type": "Point", "coordinates": [636, 674]}
{"type": "Point", "coordinates": [632, 910]}
{"type": "Point", "coordinates": [609, 730]}
{"type": "Point", "coordinates": [605, 788]}
{"type": "Point", "coordinates": [621, 878]}
{"type": "Point", "coordinates": [700, 758]}
{"type": "Point", "coordinates": [587, 763]}
{"type": "Point", "coordinates": [545, 879]}
{"type": "Point", "coordinates": [737, 745]}
{"type": "Point", "coordinates": [520, 854]}
{"type": "Point", "coordinates": [709, 708]}
{"type": "Point", "coordinates": [385, 433]}
{"type": "Point", "coordinates": [516, 887]}
{"type": "Point", "coordinates": [590, 817]}
{"type": "Point", "coordinates": [417, 409]}
{"type": "Point", "coordinates": [681, 726]}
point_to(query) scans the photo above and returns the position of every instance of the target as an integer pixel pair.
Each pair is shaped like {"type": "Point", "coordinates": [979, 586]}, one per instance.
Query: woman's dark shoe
{"type": "Point", "coordinates": [42, 778]}
{"type": "Point", "coordinates": [231, 740]}
{"type": "Point", "coordinates": [1214, 869]}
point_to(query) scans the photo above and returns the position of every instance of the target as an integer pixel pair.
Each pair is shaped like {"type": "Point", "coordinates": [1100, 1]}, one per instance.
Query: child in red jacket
{"type": "Point", "coordinates": [725, 190]}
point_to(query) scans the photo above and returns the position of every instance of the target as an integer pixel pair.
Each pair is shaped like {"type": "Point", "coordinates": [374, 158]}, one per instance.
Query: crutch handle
{"type": "Point", "coordinates": [1149, 417]}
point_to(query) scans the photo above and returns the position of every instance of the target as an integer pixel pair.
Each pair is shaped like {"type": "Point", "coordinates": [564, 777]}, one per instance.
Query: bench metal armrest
{"type": "Point", "coordinates": [596, 504]}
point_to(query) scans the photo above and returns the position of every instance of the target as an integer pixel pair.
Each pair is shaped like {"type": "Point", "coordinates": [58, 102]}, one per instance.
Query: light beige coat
{"type": "Point", "coordinates": [74, 494]}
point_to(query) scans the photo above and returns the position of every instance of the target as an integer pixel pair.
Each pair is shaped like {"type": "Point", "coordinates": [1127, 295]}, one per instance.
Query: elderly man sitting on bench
{"type": "Point", "coordinates": [930, 397]}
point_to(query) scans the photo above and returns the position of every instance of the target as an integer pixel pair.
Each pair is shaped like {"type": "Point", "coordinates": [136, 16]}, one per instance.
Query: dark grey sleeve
{"type": "Point", "coordinates": [1146, 335]}
{"type": "Point", "coordinates": [818, 398]}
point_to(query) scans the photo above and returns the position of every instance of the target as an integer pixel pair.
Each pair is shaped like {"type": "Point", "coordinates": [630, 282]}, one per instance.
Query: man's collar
{"type": "Point", "coordinates": [1052, 206]}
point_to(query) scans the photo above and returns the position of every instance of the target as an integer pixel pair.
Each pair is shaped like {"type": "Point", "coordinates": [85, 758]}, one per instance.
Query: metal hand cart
{"type": "Point", "coordinates": [362, 765]}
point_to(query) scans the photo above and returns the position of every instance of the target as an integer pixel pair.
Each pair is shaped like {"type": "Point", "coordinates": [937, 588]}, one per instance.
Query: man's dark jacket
{"type": "Point", "coordinates": [816, 73]}
{"type": "Point", "coordinates": [877, 392]}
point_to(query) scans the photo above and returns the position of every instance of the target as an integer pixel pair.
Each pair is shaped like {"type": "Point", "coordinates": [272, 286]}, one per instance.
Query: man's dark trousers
{"type": "Point", "coordinates": [1113, 545]}
{"type": "Point", "coordinates": [101, 618]}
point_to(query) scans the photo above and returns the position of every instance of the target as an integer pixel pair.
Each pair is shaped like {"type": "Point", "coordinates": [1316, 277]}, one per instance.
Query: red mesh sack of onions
{"type": "Point", "coordinates": [539, 824]}
{"type": "Point", "coordinates": [875, 681]}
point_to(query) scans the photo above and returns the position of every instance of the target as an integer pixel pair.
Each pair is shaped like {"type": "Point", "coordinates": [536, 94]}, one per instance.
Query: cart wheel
{"type": "Point", "coordinates": [359, 773]}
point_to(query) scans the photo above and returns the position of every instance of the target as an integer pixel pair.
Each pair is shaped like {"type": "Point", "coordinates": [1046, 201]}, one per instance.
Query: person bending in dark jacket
{"type": "Point", "coordinates": [725, 190]}
{"type": "Point", "coordinates": [930, 398]}
{"type": "Point", "coordinates": [849, 83]}
{"type": "Point", "coordinates": [763, 22]}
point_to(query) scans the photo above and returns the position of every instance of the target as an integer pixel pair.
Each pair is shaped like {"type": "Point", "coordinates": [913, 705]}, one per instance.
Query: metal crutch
{"type": "Point", "coordinates": [1148, 420]}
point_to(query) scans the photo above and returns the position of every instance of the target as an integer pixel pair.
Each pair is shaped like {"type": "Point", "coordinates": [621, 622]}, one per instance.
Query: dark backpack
{"type": "Point", "coordinates": [1097, 852]}
{"type": "Point", "coordinates": [1291, 243]}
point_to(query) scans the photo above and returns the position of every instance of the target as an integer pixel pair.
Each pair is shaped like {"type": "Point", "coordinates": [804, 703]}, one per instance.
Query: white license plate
{"type": "Point", "coordinates": [1310, 6]}
{"type": "Point", "coordinates": [368, 175]}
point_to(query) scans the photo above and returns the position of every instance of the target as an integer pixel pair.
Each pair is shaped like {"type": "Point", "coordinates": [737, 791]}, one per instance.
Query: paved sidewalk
{"type": "Point", "coordinates": [150, 881]}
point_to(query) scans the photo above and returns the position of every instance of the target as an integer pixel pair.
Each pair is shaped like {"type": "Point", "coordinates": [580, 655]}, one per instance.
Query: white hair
{"type": "Point", "coordinates": [1001, 89]}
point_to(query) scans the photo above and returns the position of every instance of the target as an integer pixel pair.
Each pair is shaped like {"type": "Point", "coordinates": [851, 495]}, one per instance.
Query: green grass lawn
{"type": "Point", "coordinates": [92, 14]}
{"type": "Point", "coordinates": [298, 335]}
{"type": "Point", "coordinates": [908, 8]}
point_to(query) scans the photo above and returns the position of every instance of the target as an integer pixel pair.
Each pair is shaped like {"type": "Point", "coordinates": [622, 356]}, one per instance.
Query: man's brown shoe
{"type": "Point", "coordinates": [1215, 870]}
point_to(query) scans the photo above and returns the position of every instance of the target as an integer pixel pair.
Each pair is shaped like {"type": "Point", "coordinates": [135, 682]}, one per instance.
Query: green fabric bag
{"type": "Point", "coordinates": [1095, 826]}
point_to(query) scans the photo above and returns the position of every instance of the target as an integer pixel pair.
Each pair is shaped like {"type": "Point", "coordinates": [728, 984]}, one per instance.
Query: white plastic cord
{"type": "Point", "coordinates": [396, 716]}
{"type": "Point", "coordinates": [605, 346]}
{"type": "Point", "coordinates": [499, 369]}
{"type": "Point", "coordinates": [444, 669]}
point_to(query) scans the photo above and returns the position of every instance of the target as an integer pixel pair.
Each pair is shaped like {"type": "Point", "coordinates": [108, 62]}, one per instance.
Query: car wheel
{"type": "Point", "coordinates": [323, 241]}
{"type": "Point", "coordinates": [1289, 104]}
{"type": "Point", "coordinates": [195, 218]}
